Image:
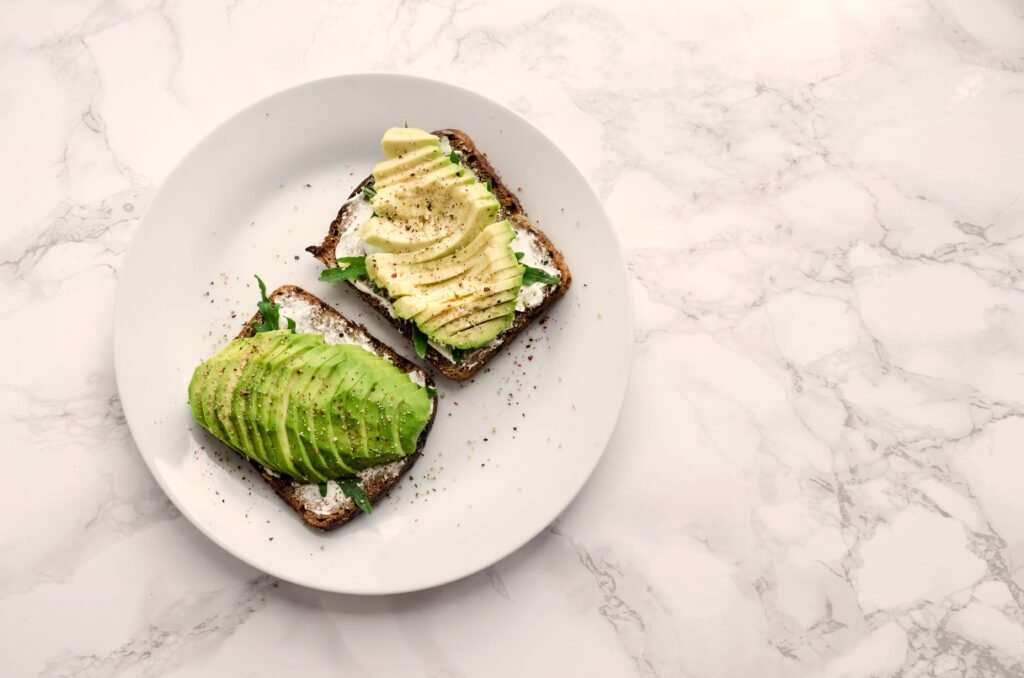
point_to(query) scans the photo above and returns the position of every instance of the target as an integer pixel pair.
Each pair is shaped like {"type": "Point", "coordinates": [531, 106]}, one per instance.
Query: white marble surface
{"type": "Point", "coordinates": [818, 468]}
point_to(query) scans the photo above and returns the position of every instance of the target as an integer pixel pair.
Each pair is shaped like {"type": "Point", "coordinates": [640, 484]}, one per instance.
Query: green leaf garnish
{"type": "Point", "coordinates": [368, 192]}
{"type": "Point", "coordinates": [454, 157]}
{"type": "Point", "coordinates": [519, 256]}
{"type": "Point", "coordinates": [431, 392]}
{"type": "Point", "coordinates": [349, 268]}
{"type": "Point", "coordinates": [535, 275]}
{"type": "Point", "coordinates": [323, 489]}
{"type": "Point", "coordinates": [419, 341]}
{"type": "Point", "coordinates": [291, 323]}
{"type": "Point", "coordinates": [490, 186]}
{"type": "Point", "coordinates": [270, 313]}
{"type": "Point", "coordinates": [350, 487]}
{"type": "Point", "coordinates": [457, 354]}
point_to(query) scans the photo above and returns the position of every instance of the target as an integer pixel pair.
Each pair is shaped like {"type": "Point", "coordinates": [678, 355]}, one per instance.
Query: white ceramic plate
{"type": "Point", "coordinates": [508, 451]}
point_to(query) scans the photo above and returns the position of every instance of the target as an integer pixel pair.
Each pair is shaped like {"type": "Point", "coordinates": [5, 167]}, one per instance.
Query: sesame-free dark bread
{"type": "Point", "coordinates": [376, 484]}
{"type": "Point", "coordinates": [512, 210]}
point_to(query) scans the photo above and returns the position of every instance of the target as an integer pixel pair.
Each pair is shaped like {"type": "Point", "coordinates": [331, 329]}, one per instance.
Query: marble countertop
{"type": "Point", "coordinates": [817, 469]}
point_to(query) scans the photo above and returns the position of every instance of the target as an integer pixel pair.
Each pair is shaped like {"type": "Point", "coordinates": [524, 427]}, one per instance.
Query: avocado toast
{"type": "Point", "coordinates": [329, 415]}
{"type": "Point", "coordinates": [439, 246]}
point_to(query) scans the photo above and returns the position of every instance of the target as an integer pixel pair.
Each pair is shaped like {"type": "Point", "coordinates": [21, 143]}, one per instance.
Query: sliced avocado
{"type": "Point", "coordinates": [421, 181]}
{"type": "Point", "coordinates": [444, 262]}
{"type": "Point", "coordinates": [339, 414]}
{"type": "Point", "coordinates": [405, 278]}
{"type": "Point", "coordinates": [418, 407]}
{"type": "Point", "coordinates": [326, 430]}
{"type": "Point", "coordinates": [484, 289]}
{"type": "Point", "coordinates": [362, 418]}
{"type": "Point", "coordinates": [476, 317]}
{"type": "Point", "coordinates": [467, 218]}
{"type": "Point", "coordinates": [449, 175]}
{"type": "Point", "coordinates": [484, 280]}
{"type": "Point", "coordinates": [413, 306]}
{"type": "Point", "coordinates": [380, 438]}
{"type": "Point", "coordinates": [398, 141]}
{"type": "Point", "coordinates": [270, 391]}
{"type": "Point", "coordinates": [224, 392]}
{"type": "Point", "coordinates": [459, 237]}
{"type": "Point", "coordinates": [303, 389]}
{"type": "Point", "coordinates": [310, 410]}
{"type": "Point", "coordinates": [478, 191]}
{"type": "Point", "coordinates": [404, 272]}
{"type": "Point", "coordinates": [306, 458]}
{"type": "Point", "coordinates": [438, 314]}
{"type": "Point", "coordinates": [284, 435]}
{"type": "Point", "coordinates": [479, 334]}
{"type": "Point", "coordinates": [238, 397]}
{"type": "Point", "coordinates": [246, 398]}
{"type": "Point", "coordinates": [207, 396]}
{"type": "Point", "coordinates": [410, 402]}
{"type": "Point", "coordinates": [301, 406]}
{"type": "Point", "coordinates": [371, 405]}
{"type": "Point", "coordinates": [443, 194]}
{"type": "Point", "coordinates": [398, 169]}
{"type": "Point", "coordinates": [349, 408]}
{"type": "Point", "coordinates": [195, 389]}
{"type": "Point", "coordinates": [398, 236]}
{"type": "Point", "coordinates": [381, 434]}
{"type": "Point", "coordinates": [258, 396]}
{"type": "Point", "coordinates": [429, 236]}
{"type": "Point", "coordinates": [242, 423]}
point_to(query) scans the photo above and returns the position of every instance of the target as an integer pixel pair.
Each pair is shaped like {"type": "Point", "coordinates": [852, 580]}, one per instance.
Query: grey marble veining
{"type": "Point", "coordinates": [817, 469]}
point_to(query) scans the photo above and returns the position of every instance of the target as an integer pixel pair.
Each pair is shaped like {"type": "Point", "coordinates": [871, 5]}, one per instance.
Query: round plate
{"type": "Point", "coordinates": [509, 449]}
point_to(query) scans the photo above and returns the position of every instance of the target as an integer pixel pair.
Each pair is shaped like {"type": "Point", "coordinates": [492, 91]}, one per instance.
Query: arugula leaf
{"type": "Point", "coordinates": [519, 256]}
{"type": "Point", "coordinates": [431, 392]}
{"type": "Point", "coordinates": [351, 268]}
{"type": "Point", "coordinates": [270, 313]}
{"type": "Point", "coordinates": [368, 192]}
{"type": "Point", "coordinates": [419, 341]}
{"type": "Point", "coordinates": [490, 186]}
{"type": "Point", "coordinates": [323, 489]}
{"type": "Point", "coordinates": [454, 157]}
{"type": "Point", "coordinates": [457, 354]}
{"type": "Point", "coordinates": [291, 323]}
{"type": "Point", "coordinates": [350, 487]}
{"type": "Point", "coordinates": [535, 275]}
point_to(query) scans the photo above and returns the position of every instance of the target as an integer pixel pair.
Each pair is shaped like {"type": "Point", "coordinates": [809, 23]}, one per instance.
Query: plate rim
{"type": "Point", "coordinates": [119, 318]}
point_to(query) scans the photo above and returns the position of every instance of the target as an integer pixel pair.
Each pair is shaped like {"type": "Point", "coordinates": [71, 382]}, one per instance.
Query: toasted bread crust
{"type": "Point", "coordinates": [375, 487]}
{"type": "Point", "coordinates": [512, 210]}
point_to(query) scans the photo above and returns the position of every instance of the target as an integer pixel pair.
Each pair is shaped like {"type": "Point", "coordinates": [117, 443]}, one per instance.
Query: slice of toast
{"type": "Point", "coordinates": [313, 315]}
{"type": "Point", "coordinates": [511, 209]}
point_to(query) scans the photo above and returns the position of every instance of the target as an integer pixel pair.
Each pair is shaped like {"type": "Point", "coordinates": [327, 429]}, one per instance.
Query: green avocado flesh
{"type": "Point", "coordinates": [307, 409]}
{"type": "Point", "coordinates": [445, 263]}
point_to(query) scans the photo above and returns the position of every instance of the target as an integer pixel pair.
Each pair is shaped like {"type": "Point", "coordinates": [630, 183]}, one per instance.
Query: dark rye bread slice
{"type": "Point", "coordinates": [512, 210]}
{"type": "Point", "coordinates": [375, 481]}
